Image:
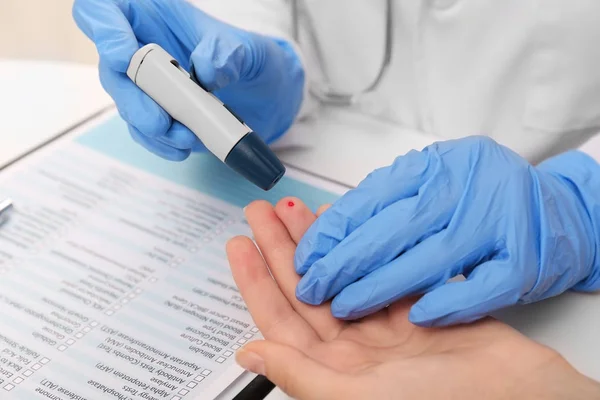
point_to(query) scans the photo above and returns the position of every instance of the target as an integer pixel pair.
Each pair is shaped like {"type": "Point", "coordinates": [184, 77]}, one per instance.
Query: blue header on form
{"type": "Point", "coordinates": [202, 172]}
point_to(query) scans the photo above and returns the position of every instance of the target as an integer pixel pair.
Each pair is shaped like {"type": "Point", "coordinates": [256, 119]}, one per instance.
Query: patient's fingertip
{"type": "Point", "coordinates": [288, 203]}
{"type": "Point", "coordinates": [259, 211]}
{"type": "Point", "coordinates": [237, 244]}
{"type": "Point", "coordinates": [322, 209]}
{"type": "Point", "coordinates": [257, 205]}
{"type": "Point", "coordinates": [292, 209]}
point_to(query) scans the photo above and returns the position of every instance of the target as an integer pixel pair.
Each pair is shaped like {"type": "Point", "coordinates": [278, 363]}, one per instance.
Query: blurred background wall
{"type": "Point", "coordinates": [42, 29]}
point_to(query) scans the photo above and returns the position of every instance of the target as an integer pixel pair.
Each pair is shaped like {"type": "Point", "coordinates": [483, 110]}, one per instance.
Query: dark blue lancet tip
{"type": "Point", "coordinates": [255, 161]}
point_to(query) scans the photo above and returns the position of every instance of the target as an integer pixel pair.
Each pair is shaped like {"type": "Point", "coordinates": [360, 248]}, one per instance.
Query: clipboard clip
{"type": "Point", "coordinates": [6, 207]}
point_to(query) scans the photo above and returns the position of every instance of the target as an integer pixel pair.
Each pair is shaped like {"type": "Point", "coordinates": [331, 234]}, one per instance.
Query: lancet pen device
{"type": "Point", "coordinates": [224, 134]}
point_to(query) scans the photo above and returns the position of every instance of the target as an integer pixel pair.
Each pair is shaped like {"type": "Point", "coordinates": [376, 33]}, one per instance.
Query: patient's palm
{"type": "Point", "coordinates": [378, 355]}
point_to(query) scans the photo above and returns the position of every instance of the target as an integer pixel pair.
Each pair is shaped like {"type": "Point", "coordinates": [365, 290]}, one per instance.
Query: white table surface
{"type": "Point", "coordinates": [40, 99]}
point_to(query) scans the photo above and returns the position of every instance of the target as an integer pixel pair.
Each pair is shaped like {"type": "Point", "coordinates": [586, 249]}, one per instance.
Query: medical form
{"type": "Point", "coordinates": [114, 282]}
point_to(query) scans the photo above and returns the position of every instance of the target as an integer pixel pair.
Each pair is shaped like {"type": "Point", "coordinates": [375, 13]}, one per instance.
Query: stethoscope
{"type": "Point", "coordinates": [323, 91]}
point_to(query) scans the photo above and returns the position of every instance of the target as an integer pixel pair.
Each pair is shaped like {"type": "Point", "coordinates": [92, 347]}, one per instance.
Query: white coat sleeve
{"type": "Point", "coordinates": [267, 17]}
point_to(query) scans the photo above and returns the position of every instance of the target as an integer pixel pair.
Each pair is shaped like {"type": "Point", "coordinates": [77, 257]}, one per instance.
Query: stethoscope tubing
{"type": "Point", "coordinates": [326, 94]}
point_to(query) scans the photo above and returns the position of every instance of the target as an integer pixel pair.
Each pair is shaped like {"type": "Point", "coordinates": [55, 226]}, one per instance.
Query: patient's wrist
{"type": "Point", "coordinates": [558, 380]}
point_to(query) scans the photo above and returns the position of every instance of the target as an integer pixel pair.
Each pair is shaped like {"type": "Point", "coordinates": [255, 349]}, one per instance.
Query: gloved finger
{"type": "Point", "coordinates": [383, 187]}
{"type": "Point", "coordinates": [155, 146]}
{"type": "Point", "coordinates": [394, 230]}
{"type": "Point", "coordinates": [185, 22]}
{"type": "Point", "coordinates": [491, 286]}
{"type": "Point", "coordinates": [135, 107]}
{"type": "Point", "coordinates": [423, 268]}
{"type": "Point", "coordinates": [118, 28]}
{"type": "Point", "coordinates": [180, 137]}
{"type": "Point", "coordinates": [105, 23]}
{"type": "Point", "coordinates": [220, 59]}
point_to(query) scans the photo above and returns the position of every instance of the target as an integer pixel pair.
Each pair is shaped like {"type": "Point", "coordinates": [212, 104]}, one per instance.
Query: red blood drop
{"type": "Point", "coordinates": [290, 204]}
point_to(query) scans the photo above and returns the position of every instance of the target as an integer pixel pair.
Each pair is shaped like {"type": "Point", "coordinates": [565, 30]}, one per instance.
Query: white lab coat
{"type": "Point", "coordinates": [525, 72]}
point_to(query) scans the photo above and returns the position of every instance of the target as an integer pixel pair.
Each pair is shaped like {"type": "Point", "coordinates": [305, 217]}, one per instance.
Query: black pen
{"type": "Point", "coordinates": [258, 389]}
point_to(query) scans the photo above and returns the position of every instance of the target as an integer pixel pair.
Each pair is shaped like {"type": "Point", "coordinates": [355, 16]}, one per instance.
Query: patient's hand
{"type": "Point", "coordinates": [312, 355]}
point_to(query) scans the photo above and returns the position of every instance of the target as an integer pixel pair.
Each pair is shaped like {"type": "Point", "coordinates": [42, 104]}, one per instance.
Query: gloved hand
{"type": "Point", "coordinates": [259, 78]}
{"type": "Point", "coordinates": [517, 233]}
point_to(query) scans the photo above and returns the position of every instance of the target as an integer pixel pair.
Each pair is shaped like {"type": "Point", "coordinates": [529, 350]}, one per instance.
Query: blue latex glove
{"type": "Point", "coordinates": [518, 233]}
{"type": "Point", "coordinates": [259, 78]}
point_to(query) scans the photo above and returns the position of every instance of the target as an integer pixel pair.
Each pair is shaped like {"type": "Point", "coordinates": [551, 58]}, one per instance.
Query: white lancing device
{"type": "Point", "coordinates": [224, 134]}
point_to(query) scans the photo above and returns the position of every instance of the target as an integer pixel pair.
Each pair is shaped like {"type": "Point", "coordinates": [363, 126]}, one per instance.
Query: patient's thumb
{"type": "Point", "coordinates": [295, 373]}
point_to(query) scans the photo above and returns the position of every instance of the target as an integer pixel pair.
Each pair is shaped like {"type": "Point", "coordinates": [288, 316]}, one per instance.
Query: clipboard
{"type": "Point", "coordinates": [253, 387]}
